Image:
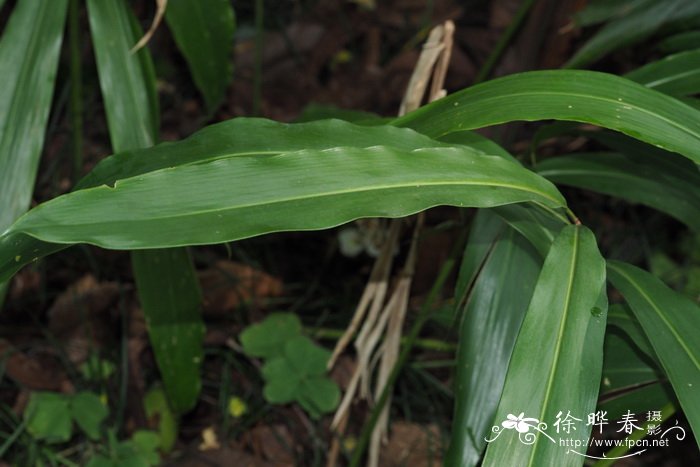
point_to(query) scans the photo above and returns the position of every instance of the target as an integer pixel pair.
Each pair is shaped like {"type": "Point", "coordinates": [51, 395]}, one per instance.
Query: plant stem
{"type": "Point", "coordinates": [504, 40]}
{"type": "Point", "coordinates": [76, 104]}
{"type": "Point", "coordinates": [259, 42]}
{"type": "Point", "coordinates": [423, 316]}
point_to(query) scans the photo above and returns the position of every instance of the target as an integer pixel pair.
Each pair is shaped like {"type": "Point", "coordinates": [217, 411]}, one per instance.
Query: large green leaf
{"type": "Point", "coordinates": [639, 22]}
{"type": "Point", "coordinates": [677, 75]}
{"type": "Point", "coordinates": [556, 364]}
{"type": "Point", "coordinates": [490, 324]}
{"type": "Point", "coordinates": [29, 52]}
{"type": "Point", "coordinates": [639, 180]}
{"type": "Point", "coordinates": [246, 196]}
{"type": "Point", "coordinates": [169, 294]}
{"type": "Point", "coordinates": [166, 280]}
{"type": "Point", "coordinates": [203, 31]}
{"type": "Point", "coordinates": [672, 324]}
{"type": "Point", "coordinates": [582, 96]}
{"type": "Point", "coordinates": [248, 137]}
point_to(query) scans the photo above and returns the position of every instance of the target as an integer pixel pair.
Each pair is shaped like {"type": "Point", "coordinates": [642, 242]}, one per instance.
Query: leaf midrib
{"type": "Point", "coordinates": [307, 197]}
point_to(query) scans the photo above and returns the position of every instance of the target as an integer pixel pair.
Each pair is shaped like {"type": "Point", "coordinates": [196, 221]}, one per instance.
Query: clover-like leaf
{"type": "Point", "coordinates": [318, 395]}
{"type": "Point", "coordinates": [306, 357]}
{"type": "Point", "coordinates": [89, 412]}
{"type": "Point", "coordinates": [48, 417]}
{"type": "Point", "coordinates": [268, 338]}
{"type": "Point", "coordinates": [282, 381]}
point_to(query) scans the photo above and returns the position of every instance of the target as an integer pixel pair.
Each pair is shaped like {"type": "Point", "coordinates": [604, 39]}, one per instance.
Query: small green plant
{"type": "Point", "coordinates": [141, 450]}
{"type": "Point", "coordinates": [51, 418]}
{"type": "Point", "coordinates": [295, 367]}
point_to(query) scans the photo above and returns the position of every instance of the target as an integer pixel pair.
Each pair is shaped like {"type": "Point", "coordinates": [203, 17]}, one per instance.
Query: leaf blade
{"type": "Point", "coordinates": [491, 320]}
{"type": "Point", "coordinates": [636, 180]}
{"type": "Point", "coordinates": [305, 190]}
{"type": "Point", "coordinates": [568, 289]}
{"type": "Point", "coordinates": [203, 31]}
{"type": "Point", "coordinates": [165, 280]}
{"type": "Point", "coordinates": [582, 96]}
{"type": "Point", "coordinates": [672, 323]}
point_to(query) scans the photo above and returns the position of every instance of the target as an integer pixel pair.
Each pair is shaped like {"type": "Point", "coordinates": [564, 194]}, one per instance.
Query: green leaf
{"type": "Point", "coordinates": [476, 141]}
{"type": "Point", "coordinates": [29, 51]}
{"type": "Point", "coordinates": [203, 31]}
{"type": "Point", "coordinates": [641, 22]}
{"type": "Point", "coordinates": [318, 395]}
{"type": "Point", "coordinates": [315, 111]}
{"type": "Point", "coordinates": [282, 381]}
{"type": "Point", "coordinates": [89, 412]}
{"type": "Point", "coordinates": [249, 137]}
{"type": "Point", "coordinates": [298, 374]}
{"type": "Point", "coordinates": [306, 190]}
{"type": "Point", "coordinates": [127, 80]}
{"type": "Point", "coordinates": [156, 406]}
{"type": "Point", "coordinates": [598, 11]}
{"type": "Point", "coordinates": [676, 193]}
{"type": "Point", "coordinates": [533, 223]}
{"type": "Point", "coordinates": [558, 354]}
{"type": "Point", "coordinates": [676, 75]}
{"type": "Point", "coordinates": [582, 96]}
{"type": "Point", "coordinates": [621, 317]}
{"type": "Point", "coordinates": [484, 230]}
{"type": "Point", "coordinates": [169, 292]}
{"type": "Point", "coordinates": [269, 338]}
{"type": "Point", "coordinates": [305, 357]}
{"type": "Point", "coordinates": [681, 41]}
{"type": "Point", "coordinates": [48, 417]}
{"type": "Point", "coordinates": [672, 324]}
{"type": "Point", "coordinates": [490, 324]}
{"type": "Point", "coordinates": [166, 280]}
{"type": "Point", "coordinates": [146, 444]}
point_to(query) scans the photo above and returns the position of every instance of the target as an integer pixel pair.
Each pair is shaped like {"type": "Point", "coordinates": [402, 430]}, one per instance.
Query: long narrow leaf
{"type": "Point", "coordinates": [676, 75]}
{"type": "Point", "coordinates": [556, 364]}
{"type": "Point", "coordinates": [169, 293]}
{"type": "Point", "coordinates": [672, 324]}
{"type": "Point", "coordinates": [29, 52]}
{"type": "Point", "coordinates": [126, 79]}
{"type": "Point", "coordinates": [641, 22]}
{"type": "Point", "coordinates": [490, 324]}
{"type": "Point", "coordinates": [166, 280]}
{"type": "Point", "coordinates": [246, 196]}
{"type": "Point", "coordinates": [582, 96]}
{"type": "Point", "coordinates": [28, 60]}
{"type": "Point", "coordinates": [203, 31]}
{"type": "Point", "coordinates": [638, 181]}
